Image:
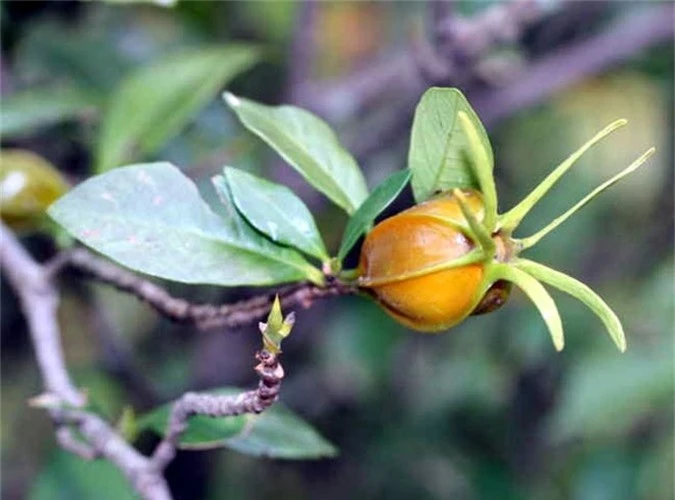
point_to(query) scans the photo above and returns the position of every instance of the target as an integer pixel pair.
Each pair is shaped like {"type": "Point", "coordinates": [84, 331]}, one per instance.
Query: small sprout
{"type": "Point", "coordinates": [277, 328]}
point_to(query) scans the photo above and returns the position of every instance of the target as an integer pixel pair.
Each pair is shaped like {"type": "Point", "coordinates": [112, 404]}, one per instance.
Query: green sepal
{"type": "Point", "coordinates": [474, 256]}
{"type": "Point", "coordinates": [537, 294]}
{"type": "Point", "coordinates": [536, 237]}
{"type": "Point", "coordinates": [479, 231]}
{"type": "Point", "coordinates": [127, 426]}
{"type": "Point", "coordinates": [579, 291]}
{"type": "Point", "coordinates": [510, 220]}
{"type": "Point", "coordinates": [481, 164]}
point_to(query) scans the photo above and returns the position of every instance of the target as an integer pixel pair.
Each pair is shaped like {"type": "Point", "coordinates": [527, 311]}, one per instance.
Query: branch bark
{"type": "Point", "coordinates": [561, 69]}
{"type": "Point", "coordinates": [65, 404]}
{"type": "Point", "coordinates": [204, 316]}
{"type": "Point", "coordinates": [39, 301]}
{"type": "Point", "coordinates": [271, 374]}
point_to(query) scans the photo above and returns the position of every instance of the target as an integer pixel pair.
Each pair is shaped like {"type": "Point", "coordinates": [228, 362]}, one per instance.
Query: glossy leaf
{"type": "Point", "coordinates": [150, 218]}
{"type": "Point", "coordinates": [309, 145]}
{"type": "Point", "coordinates": [153, 104]}
{"type": "Point", "coordinates": [202, 432]}
{"type": "Point", "coordinates": [275, 433]}
{"type": "Point", "coordinates": [279, 433]}
{"type": "Point", "coordinates": [362, 220]}
{"type": "Point", "coordinates": [276, 211]}
{"type": "Point", "coordinates": [28, 111]}
{"type": "Point", "coordinates": [438, 144]}
{"type": "Point", "coordinates": [581, 292]}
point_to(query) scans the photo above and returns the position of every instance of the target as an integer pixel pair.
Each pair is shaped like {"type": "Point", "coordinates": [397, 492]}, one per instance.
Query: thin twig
{"type": "Point", "coordinates": [402, 76]}
{"type": "Point", "coordinates": [65, 404]}
{"type": "Point", "coordinates": [271, 374]}
{"type": "Point", "coordinates": [567, 66]}
{"type": "Point", "coordinates": [204, 316]}
{"type": "Point", "coordinates": [39, 301]}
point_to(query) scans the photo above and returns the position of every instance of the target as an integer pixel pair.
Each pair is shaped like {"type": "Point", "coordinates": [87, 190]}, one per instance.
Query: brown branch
{"type": "Point", "coordinates": [39, 301]}
{"type": "Point", "coordinates": [65, 404]}
{"type": "Point", "coordinates": [204, 316]}
{"type": "Point", "coordinates": [271, 374]}
{"type": "Point", "coordinates": [404, 75]}
{"type": "Point", "coordinates": [561, 69]}
{"type": "Point", "coordinates": [461, 45]}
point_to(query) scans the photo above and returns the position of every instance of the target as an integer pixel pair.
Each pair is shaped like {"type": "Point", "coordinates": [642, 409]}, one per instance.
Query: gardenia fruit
{"type": "Point", "coordinates": [453, 255]}
{"type": "Point", "coordinates": [404, 264]}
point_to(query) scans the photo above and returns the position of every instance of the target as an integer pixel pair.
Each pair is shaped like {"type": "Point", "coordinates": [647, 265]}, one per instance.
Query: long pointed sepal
{"type": "Point", "coordinates": [510, 220]}
{"type": "Point", "coordinates": [581, 292]}
{"type": "Point", "coordinates": [538, 295]}
{"type": "Point", "coordinates": [535, 238]}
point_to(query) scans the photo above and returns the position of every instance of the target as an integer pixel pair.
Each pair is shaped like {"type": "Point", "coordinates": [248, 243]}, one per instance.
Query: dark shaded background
{"type": "Point", "coordinates": [488, 410]}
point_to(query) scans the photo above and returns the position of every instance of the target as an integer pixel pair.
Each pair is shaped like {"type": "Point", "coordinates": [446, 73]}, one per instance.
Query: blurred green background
{"type": "Point", "coordinates": [488, 410]}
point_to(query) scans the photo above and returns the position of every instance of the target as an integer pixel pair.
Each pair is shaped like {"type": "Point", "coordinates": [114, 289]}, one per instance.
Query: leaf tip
{"type": "Point", "coordinates": [232, 100]}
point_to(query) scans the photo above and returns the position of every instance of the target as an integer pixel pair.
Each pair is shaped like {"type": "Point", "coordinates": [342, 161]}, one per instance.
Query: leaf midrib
{"type": "Point", "coordinates": [325, 173]}
{"type": "Point", "coordinates": [209, 237]}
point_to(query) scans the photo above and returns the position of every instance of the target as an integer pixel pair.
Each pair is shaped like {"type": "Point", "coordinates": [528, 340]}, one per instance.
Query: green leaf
{"type": "Point", "coordinates": [309, 145]}
{"type": "Point", "coordinates": [150, 218]}
{"type": "Point", "coordinates": [202, 432]}
{"type": "Point", "coordinates": [581, 292]}
{"type": "Point", "coordinates": [275, 433]}
{"type": "Point", "coordinates": [362, 220]}
{"type": "Point", "coordinates": [156, 102]}
{"type": "Point", "coordinates": [276, 211]}
{"type": "Point", "coordinates": [66, 477]}
{"type": "Point", "coordinates": [537, 294]}
{"type": "Point", "coordinates": [279, 433]}
{"type": "Point", "coordinates": [23, 113]}
{"type": "Point", "coordinates": [437, 156]}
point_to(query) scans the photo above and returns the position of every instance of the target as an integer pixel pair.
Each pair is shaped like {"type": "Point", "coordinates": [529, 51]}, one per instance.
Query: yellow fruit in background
{"type": "Point", "coordinates": [28, 185]}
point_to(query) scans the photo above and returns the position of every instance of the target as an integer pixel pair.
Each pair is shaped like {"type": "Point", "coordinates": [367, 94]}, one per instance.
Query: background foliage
{"type": "Point", "coordinates": [486, 411]}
